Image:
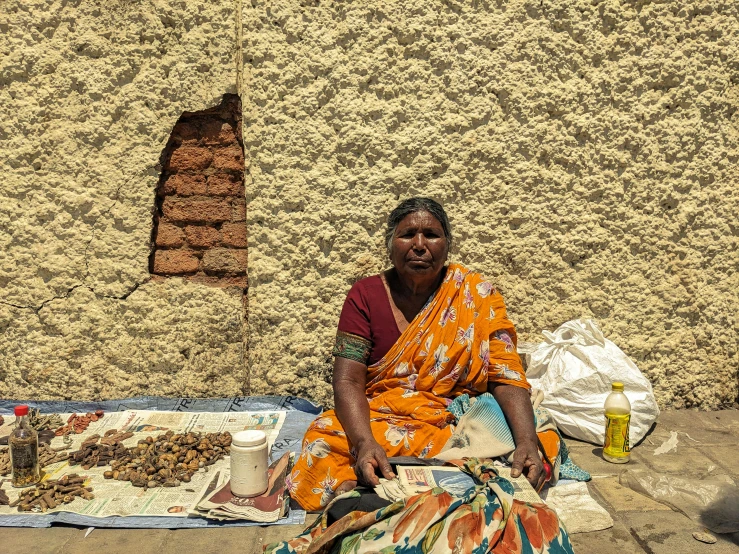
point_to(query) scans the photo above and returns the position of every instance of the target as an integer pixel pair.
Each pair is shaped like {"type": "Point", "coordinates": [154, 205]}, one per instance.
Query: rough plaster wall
{"type": "Point", "coordinates": [89, 93]}
{"type": "Point", "coordinates": [586, 152]}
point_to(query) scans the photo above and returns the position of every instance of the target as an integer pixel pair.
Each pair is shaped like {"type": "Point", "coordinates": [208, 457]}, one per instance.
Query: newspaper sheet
{"type": "Point", "coordinates": [412, 480]}
{"type": "Point", "coordinates": [217, 502]}
{"type": "Point", "coordinates": [577, 510]}
{"type": "Point", "coordinates": [121, 498]}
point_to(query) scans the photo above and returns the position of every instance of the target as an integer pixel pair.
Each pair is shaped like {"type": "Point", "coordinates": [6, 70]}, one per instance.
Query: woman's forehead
{"type": "Point", "coordinates": [418, 220]}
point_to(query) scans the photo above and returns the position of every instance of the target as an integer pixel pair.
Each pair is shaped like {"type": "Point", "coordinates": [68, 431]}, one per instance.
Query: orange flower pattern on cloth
{"type": "Point", "coordinates": [458, 343]}
{"type": "Point", "coordinates": [484, 518]}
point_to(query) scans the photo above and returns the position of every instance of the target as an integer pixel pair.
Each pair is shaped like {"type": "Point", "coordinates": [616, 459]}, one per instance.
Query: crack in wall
{"type": "Point", "coordinates": [246, 385]}
{"type": "Point", "coordinates": [116, 198]}
{"type": "Point", "coordinates": [37, 309]}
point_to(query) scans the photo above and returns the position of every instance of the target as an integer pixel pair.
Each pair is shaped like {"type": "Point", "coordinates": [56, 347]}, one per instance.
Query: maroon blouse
{"type": "Point", "coordinates": [367, 327]}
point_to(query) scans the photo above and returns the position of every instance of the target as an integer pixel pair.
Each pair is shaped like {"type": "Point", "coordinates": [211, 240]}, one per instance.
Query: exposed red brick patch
{"type": "Point", "coordinates": [170, 235]}
{"type": "Point", "coordinates": [175, 262]}
{"type": "Point", "coordinates": [199, 225]}
{"type": "Point", "coordinates": [190, 158]}
{"type": "Point", "coordinates": [225, 185]}
{"type": "Point", "coordinates": [218, 133]}
{"type": "Point", "coordinates": [186, 133]}
{"type": "Point", "coordinates": [230, 158]}
{"type": "Point", "coordinates": [234, 234]}
{"type": "Point", "coordinates": [182, 184]}
{"type": "Point", "coordinates": [196, 209]}
{"type": "Point", "coordinates": [202, 237]}
{"type": "Point", "coordinates": [225, 261]}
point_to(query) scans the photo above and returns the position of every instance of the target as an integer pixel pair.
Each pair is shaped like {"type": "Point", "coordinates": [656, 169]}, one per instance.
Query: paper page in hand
{"type": "Point", "coordinates": [416, 479]}
{"type": "Point", "coordinates": [522, 489]}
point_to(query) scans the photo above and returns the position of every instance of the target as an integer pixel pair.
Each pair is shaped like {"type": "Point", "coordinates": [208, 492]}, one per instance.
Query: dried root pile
{"type": "Point", "coordinates": [48, 455]}
{"type": "Point", "coordinates": [5, 461]}
{"type": "Point", "coordinates": [167, 460]}
{"type": "Point", "coordinates": [43, 422]}
{"type": "Point", "coordinates": [50, 494]}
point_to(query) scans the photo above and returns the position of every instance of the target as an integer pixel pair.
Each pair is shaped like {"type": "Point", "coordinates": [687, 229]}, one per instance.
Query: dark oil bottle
{"type": "Point", "coordinates": [23, 443]}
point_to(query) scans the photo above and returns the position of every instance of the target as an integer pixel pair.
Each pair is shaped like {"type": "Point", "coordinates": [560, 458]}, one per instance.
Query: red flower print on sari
{"type": "Point", "coordinates": [540, 523]}
{"type": "Point", "coordinates": [467, 528]}
{"type": "Point", "coordinates": [421, 511]}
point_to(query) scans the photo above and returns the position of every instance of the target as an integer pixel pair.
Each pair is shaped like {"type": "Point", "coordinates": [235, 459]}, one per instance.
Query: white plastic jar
{"type": "Point", "coordinates": [249, 453]}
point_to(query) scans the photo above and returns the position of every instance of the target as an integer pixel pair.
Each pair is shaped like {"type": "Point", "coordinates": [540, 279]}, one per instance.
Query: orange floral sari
{"type": "Point", "coordinates": [458, 343]}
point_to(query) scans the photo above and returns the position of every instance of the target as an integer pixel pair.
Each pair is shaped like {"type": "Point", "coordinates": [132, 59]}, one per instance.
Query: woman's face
{"type": "Point", "coordinates": [419, 246]}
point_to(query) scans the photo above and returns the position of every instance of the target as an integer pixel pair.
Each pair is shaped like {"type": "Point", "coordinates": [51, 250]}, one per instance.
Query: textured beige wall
{"type": "Point", "coordinates": [89, 92]}
{"type": "Point", "coordinates": [586, 152]}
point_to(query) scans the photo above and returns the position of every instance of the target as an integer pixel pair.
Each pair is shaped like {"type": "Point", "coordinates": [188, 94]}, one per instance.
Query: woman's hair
{"type": "Point", "coordinates": [411, 206]}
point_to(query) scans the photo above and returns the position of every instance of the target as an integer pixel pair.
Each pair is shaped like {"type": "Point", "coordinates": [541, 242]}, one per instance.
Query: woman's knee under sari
{"type": "Point", "coordinates": [459, 342]}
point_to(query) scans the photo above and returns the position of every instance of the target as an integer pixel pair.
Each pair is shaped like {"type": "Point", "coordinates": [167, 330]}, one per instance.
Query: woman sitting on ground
{"type": "Point", "coordinates": [409, 341]}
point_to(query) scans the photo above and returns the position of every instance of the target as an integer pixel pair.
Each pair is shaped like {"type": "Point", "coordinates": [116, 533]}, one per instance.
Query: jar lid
{"type": "Point", "coordinates": [617, 386]}
{"type": "Point", "coordinates": [249, 438]}
{"type": "Point", "coordinates": [21, 410]}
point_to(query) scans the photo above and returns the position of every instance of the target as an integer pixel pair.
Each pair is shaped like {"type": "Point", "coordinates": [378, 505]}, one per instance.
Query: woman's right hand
{"type": "Point", "coordinates": [370, 458]}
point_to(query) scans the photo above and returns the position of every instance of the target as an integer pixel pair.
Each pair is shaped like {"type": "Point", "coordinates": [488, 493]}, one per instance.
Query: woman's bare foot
{"type": "Point", "coordinates": [346, 486]}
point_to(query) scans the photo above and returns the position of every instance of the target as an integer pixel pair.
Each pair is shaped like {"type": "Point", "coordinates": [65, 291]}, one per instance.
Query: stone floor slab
{"type": "Point", "coordinates": [244, 540]}
{"type": "Point", "coordinates": [622, 499]}
{"type": "Point", "coordinates": [616, 540]}
{"type": "Point", "coordinates": [672, 533]}
{"type": "Point", "coordinates": [36, 541]}
{"type": "Point", "coordinates": [133, 541]}
{"type": "Point", "coordinates": [726, 459]}
{"type": "Point", "coordinates": [713, 428]}
{"type": "Point", "coordinates": [589, 458]}
{"type": "Point", "coordinates": [685, 462]}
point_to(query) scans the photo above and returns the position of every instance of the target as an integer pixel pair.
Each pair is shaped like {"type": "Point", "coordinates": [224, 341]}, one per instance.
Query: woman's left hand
{"type": "Point", "coordinates": [526, 460]}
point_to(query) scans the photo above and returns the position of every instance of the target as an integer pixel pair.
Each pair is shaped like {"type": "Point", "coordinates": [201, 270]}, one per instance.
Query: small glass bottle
{"type": "Point", "coordinates": [23, 443]}
{"type": "Point", "coordinates": [618, 413]}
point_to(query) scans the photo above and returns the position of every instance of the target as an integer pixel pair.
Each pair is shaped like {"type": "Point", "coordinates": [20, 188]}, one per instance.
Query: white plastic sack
{"type": "Point", "coordinates": [575, 367]}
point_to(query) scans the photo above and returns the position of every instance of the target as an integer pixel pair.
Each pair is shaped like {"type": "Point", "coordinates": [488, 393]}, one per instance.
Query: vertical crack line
{"type": "Point", "coordinates": [246, 386]}
{"type": "Point", "coordinates": [239, 49]}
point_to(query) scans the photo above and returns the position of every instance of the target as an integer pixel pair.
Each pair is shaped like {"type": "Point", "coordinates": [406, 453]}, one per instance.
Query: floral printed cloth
{"type": "Point", "coordinates": [484, 519]}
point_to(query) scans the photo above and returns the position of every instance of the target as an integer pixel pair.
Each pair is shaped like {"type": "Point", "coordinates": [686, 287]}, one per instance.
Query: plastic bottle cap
{"type": "Point", "coordinates": [249, 438]}
{"type": "Point", "coordinates": [21, 410]}
{"type": "Point", "coordinates": [617, 386]}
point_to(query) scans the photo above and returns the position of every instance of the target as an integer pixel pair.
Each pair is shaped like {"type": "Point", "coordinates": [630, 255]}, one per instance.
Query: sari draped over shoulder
{"type": "Point", "coordinates": [457, 344]}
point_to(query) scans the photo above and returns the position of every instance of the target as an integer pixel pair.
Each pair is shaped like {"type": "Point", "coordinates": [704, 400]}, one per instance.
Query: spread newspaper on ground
{"type": "Point", "coordinates": [121, 498]}
{"type": "Point", "coordinates": [217, 502]}
{"type": "Point", "coordinates": [412, 480]}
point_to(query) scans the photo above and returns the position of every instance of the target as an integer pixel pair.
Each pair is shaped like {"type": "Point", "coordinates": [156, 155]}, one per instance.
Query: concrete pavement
{"type": "Point", "coordinates": [708, 445]}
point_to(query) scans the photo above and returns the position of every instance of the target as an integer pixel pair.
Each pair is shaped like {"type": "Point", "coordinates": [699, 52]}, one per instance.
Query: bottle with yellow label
{"type": "Point", "coordinates": [618, 414]}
